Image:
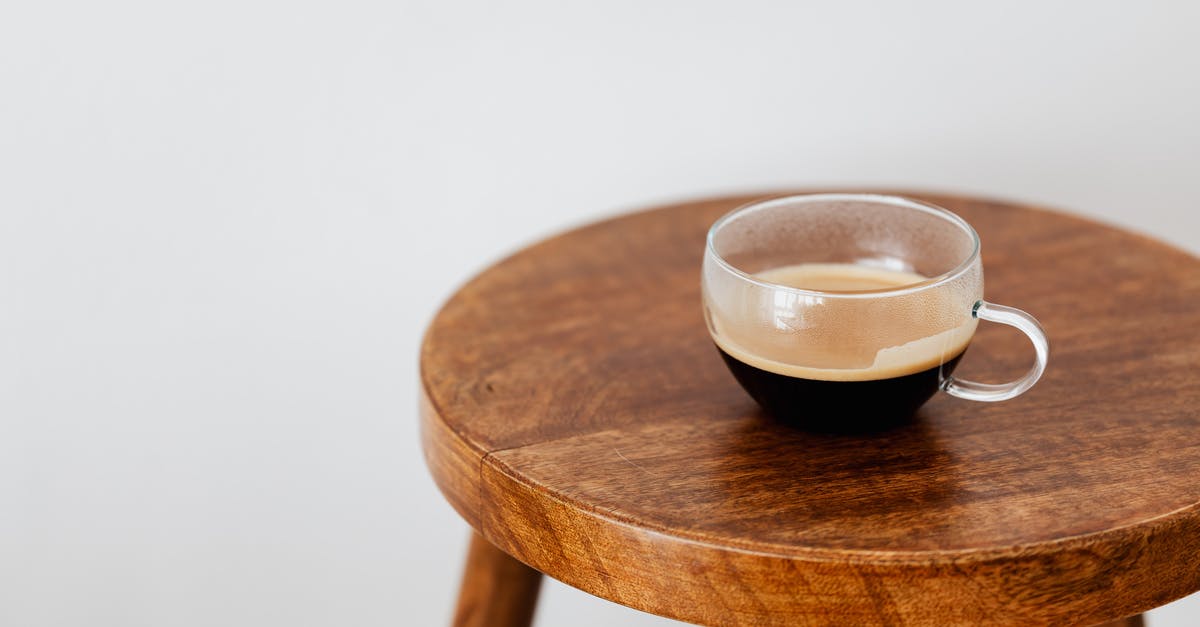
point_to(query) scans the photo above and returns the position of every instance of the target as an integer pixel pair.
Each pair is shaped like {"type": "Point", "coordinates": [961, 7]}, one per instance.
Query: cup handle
{"type": "Point", "coordinates": [992, 392]}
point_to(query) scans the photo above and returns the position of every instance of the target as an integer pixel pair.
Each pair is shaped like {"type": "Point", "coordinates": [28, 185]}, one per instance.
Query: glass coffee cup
{"type": "Point", "coordinates": [847, 312]}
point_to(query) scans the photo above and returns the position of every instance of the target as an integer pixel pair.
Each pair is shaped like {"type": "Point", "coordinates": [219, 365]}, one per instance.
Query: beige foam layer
{"type": "Point", "coordinates": [839, 277]}
{"type": "Point", "coordinates": [895, 361]}
{"type": "Point", "coordinates": [834, 344]}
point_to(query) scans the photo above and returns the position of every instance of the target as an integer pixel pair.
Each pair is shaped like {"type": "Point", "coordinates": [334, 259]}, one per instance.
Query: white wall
{"type": "Point", "coordinates": [223, 226]}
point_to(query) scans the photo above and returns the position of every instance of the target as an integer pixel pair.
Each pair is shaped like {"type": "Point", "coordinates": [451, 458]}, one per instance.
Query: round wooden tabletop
{"type": "Point", "coordinates": [576, 414]}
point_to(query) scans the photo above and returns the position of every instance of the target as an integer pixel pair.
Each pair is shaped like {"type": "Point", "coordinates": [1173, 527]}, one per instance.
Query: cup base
{"type": "Point", "coordinates": [840, 406]}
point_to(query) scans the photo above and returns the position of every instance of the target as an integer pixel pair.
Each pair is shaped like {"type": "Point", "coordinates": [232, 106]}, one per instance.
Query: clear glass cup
{"type": "Point", "coordinates": [849, 311]}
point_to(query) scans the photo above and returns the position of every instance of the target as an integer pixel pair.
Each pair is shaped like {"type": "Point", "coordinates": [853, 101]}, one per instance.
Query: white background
{"type": "Point", "coordinates": [224, 225]}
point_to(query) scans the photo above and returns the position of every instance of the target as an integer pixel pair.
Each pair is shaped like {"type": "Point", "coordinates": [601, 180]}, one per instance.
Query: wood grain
{"type": "Point", "coordinates": [496, 590]}
{"type": "Point", "coordinates": [580, 418]}
{"type": "Point", "coordinates": [453, 463]}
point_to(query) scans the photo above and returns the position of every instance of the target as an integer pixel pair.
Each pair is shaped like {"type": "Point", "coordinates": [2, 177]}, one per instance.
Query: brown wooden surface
{"type": "Point", "coordinates": [577, 414]}
{"type": "Point", "coordinates": [496, 590]}
{"type": "Point", "coordinates": [1132, 621]}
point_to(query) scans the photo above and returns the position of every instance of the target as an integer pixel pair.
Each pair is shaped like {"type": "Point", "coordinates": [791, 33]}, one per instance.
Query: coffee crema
{"type": "Point", "coordinates": [857, 363]}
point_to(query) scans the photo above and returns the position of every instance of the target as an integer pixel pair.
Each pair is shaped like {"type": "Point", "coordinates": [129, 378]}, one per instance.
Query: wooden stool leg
{"type": "Point", "coordinates": [1132, 621]}
{"type": "Point", "coordinates": [497, 590]}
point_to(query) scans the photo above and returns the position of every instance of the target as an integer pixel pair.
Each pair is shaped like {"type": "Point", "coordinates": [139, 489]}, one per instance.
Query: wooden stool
{"type": "Point", "coordinates": [577, 415]}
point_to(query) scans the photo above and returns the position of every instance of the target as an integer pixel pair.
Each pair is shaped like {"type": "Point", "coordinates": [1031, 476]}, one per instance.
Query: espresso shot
{"type": "Point", "coordinates": [840, 406]}
{"type": "Point", "coordinates": [843, 388]}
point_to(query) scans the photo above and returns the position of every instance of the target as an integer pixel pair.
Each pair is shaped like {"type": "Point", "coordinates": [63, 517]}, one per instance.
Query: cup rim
{"type": "Point", "coordinates": [887, 199]}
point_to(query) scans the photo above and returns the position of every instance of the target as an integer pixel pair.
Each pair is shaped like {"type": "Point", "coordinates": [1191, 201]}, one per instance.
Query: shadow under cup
{"type": "Point", "coordinates": [847, 312]}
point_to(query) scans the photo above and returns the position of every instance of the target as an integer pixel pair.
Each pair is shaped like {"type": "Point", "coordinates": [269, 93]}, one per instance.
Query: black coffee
{"type": "Point", "coordinates": [845, 364]}
{"type": "Point", "coordinates": [869, 405]}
